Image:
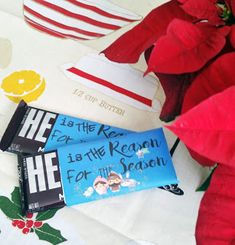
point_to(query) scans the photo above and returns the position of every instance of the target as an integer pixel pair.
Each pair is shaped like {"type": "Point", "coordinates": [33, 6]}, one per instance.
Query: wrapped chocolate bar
{"type": "Point", "coordinates": [33, 130]}
{"type": "Point", "coordinates": [99, 169]}
{"type": "Point", "coordinates": [48, 198]}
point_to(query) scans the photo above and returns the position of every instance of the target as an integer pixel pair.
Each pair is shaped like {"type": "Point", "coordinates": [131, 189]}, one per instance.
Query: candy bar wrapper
{"type": "Point", "coordinates": [99, 169]}
{"type": "Point", "coordinates": [38, 201]}
{"type": "Point", "coordinates": [33, 130]}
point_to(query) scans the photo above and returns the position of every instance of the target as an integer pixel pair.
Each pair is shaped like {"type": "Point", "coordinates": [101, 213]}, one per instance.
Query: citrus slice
{"type": "Point", "coordinates": [26, 84]}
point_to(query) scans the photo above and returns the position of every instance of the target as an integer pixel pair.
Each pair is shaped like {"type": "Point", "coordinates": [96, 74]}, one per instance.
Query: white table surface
{"type": "Point", "coordinates": [147, 217]}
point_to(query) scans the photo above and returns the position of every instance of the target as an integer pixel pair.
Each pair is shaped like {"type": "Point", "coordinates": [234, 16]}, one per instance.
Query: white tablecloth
{"type": "Point", "coordinates": [147, 217]}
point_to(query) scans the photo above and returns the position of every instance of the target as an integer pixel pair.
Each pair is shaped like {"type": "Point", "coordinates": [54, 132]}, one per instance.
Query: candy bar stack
{"type": "Point", "coordinates": [63, 160]}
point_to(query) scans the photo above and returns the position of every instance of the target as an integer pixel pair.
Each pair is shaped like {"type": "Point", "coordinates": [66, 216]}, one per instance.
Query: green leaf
{"type": "Point", "coordinates": [10, 209]}
{"type": "Point", "coordinates": [47, 233]}
{"type": "Point", "coordinates": [15, 197]}
{"type": "Point", "coordinates": [204, 186]}
{"type": "Point", "coordinates": [46, 214]}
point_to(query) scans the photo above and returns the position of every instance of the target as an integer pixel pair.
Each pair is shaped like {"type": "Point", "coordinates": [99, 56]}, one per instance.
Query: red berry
{"type": "Point", "coordinates": [37, 224]}
{"type": "Point", "coordinates": [29, 215]}
{"type": "Point", "coordinates": [21, 224]}
{"type": "Point", "coordinates": [14, 222]}
{"type": "Point", "coordinates": [29, 223]}
{"type": "Point", "coordinates": [25, 230]}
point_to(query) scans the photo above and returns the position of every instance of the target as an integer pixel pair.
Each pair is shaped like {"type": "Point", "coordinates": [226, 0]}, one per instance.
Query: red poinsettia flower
{"type": "Point", "coordinates": [212, 80]}
{"type": "Point", "coordinates": [186, 36]}
{"type": "Point", "coordinates": [209, 10]}
{"type": "Point", "coordinates": [214, 11]}
{"type": "Point", "coordinates": [128, 48]}
{"type": "Point", "coordinates": [209, 129]}
{"type": "Point", "coordinates": [189, 45]}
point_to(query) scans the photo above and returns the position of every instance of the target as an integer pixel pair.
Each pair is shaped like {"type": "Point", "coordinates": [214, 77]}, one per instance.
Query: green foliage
{"type": "Point", "coordinates": [47, 233]}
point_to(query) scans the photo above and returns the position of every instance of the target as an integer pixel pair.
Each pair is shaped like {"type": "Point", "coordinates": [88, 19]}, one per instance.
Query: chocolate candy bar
{"type": "Point", "coordinates": [34, 130]}
{"type": "Point", "coordinates": [98, 169]}
{"type": "Point", "coordinates": [48, 198]}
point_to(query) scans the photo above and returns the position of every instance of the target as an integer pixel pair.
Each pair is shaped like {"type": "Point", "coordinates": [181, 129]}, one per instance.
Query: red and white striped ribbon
{"type": "Point", "coordinates": [76, 19]}
{"type": "Point", "coordinates": [120, 81]}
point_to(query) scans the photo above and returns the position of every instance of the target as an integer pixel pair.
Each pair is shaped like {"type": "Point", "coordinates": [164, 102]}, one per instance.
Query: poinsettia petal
{"type": "Point", "coordinates": [128, 48]}
{"type": "Point", "coordinates": [232, 3]}
{"type": "Point", "coordinates": [232, 36]}
{"type": "Point", "coordinates": [217, 77]}
{"type": "Point", "coordinates": [186, 47]}
{"type": "Point", "coordinates": [203, 10]}
{"type": "Point", "coordinates": [201, 159]}
{"type": "Point", "coordinates": [209, 128]}
{"type": "Point", "coordinates": [214, 79]}
{"type": "Point", "coordinates": [184, 1]}
{"type": "Point", "coordinates": [215, 224]}
{"type": "Point", "coordinates": [175, 87]}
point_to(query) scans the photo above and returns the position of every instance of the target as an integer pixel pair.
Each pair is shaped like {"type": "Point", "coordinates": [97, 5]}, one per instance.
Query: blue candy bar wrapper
{"type": "Point", "coordinates": [33, 130]}
{"type": "Point", "coordinates": [100, 169]}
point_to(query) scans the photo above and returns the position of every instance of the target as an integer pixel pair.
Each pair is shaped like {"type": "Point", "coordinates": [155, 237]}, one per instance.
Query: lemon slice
{"type": "Point", "coordinates": [26, 84]}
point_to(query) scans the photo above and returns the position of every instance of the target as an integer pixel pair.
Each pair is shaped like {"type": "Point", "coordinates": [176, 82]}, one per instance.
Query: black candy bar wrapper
{"type": "Point", "coordinates": [33, 130]}
{"type": "Point", "coordinates": [99, 169]}
{"type": "Point", "coordinates": [37, 202]}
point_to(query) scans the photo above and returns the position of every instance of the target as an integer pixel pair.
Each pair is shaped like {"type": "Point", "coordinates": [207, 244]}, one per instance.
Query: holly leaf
{"type": "Point", "coordinates": [203, 10]}
{"type": "Point", "coordinates": [129, 47]}
{"type": "Point", "coordinates": [49, 234]}
{"type": "Point", "coordinates": [186, 47]}
{"type": "Point", "coordinates": [15, 197]}
{"type": "Point", "coordinates": [46, 214]}
{"type": "Point", "coordinates": [10, 209]}
{"type": "Point", "coordinates": [215, 223]}
{"type": "Point", "coordinates": [209, 128]}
